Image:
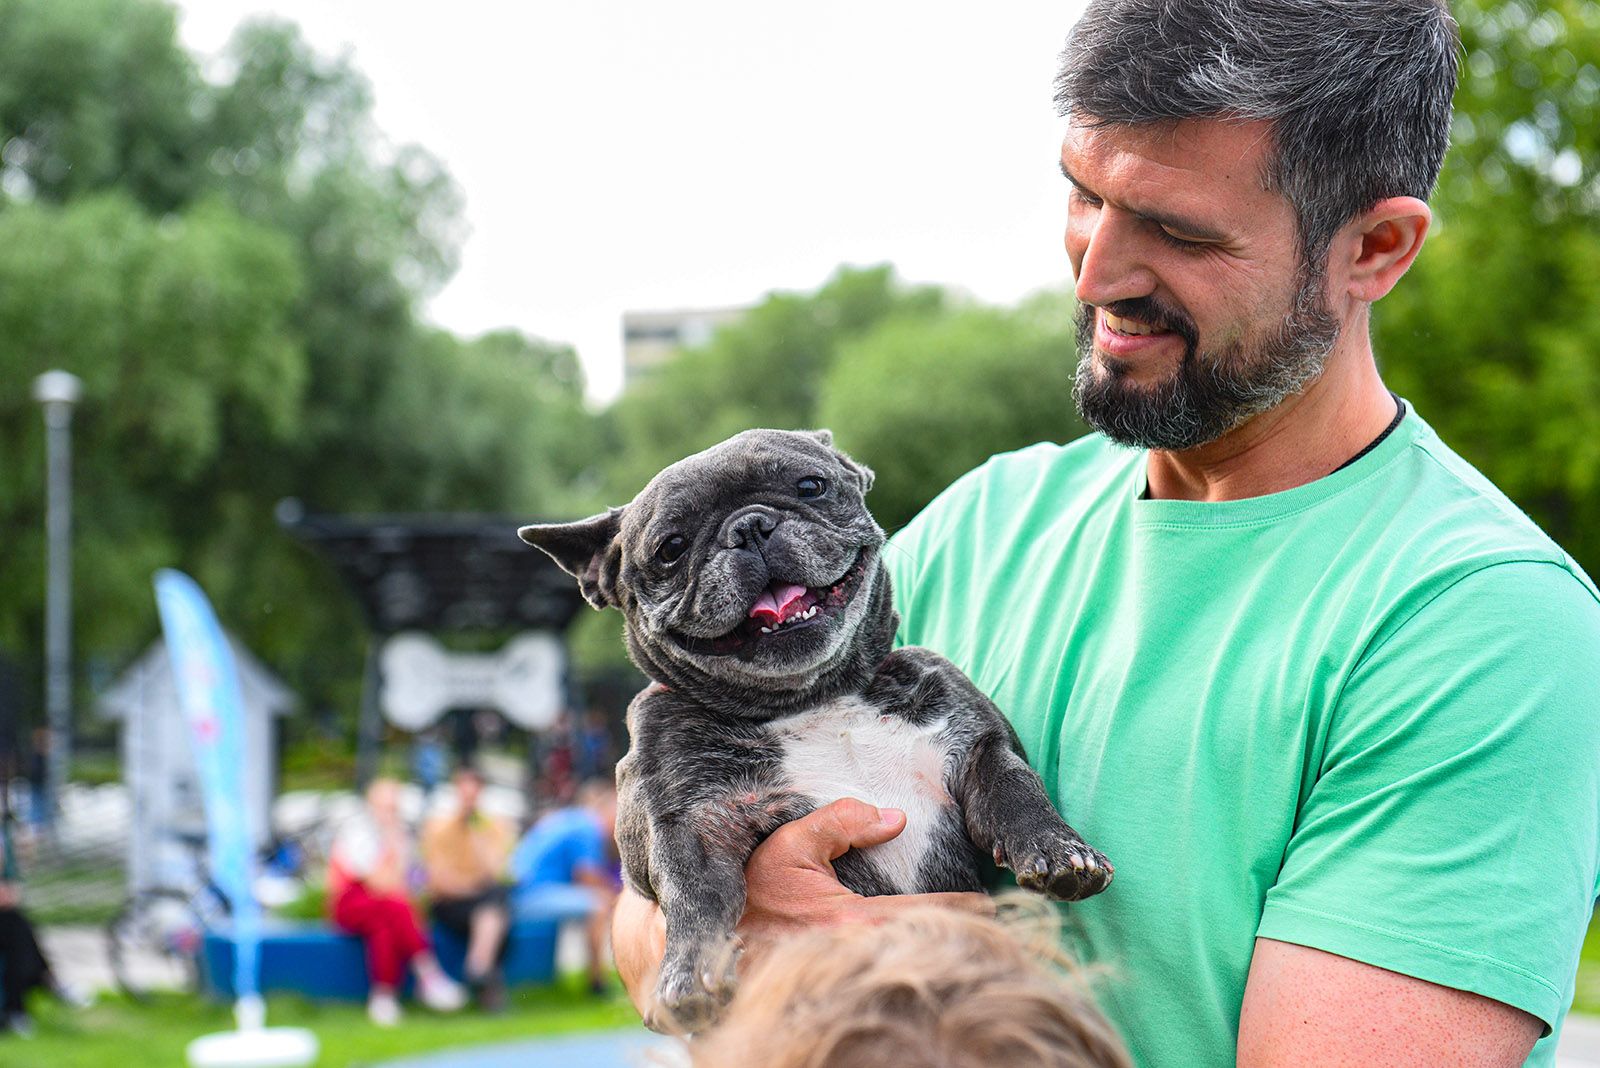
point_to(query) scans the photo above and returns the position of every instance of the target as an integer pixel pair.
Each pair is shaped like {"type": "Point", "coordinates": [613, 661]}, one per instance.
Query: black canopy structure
{"type": "Point", "coordinates": [449, 573]}
{"type": "Point", "coordinates": [440, 572]}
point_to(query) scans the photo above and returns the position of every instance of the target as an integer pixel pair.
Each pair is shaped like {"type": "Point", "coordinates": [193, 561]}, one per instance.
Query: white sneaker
{"type": "Point", "coordinates": [383, 1009]}
{"type": "Point", "coordinates": [439, 992]}
{"type": "Point", "coordinates": [74, 997]}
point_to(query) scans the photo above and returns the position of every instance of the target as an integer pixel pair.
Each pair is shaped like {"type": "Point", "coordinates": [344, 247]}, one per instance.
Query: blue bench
{"type": "Point", "coordinates": [321, 962]}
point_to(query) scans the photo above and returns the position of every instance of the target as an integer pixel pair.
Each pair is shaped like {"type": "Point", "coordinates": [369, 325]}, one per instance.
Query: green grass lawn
{"type": "Point", "coordinates": [117, 1033]}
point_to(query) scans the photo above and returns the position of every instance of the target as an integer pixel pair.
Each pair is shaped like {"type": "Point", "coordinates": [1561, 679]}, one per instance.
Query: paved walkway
{"type": "Point", "coordinates": [1580, 1043]}
{"type": "Point", "coordinates": [633, 1048]}
{"type": "Point", "coordinates": [636, 1048]}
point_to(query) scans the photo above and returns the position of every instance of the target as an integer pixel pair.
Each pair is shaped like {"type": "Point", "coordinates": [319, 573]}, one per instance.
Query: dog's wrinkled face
{"type": "Point", "coordinates": [745, 562]}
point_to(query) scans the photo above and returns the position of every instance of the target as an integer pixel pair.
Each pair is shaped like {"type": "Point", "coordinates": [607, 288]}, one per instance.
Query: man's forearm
{"type": "Point", "coordinates": [638, 942]}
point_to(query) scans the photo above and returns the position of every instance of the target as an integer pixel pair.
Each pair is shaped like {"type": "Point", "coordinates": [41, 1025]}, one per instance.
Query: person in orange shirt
{"type": "Point", "coordinates": [464, 853]}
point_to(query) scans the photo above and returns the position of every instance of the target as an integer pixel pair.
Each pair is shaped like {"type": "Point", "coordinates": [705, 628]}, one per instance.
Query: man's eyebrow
{"type": "Point", "coordinates": [1176, 223]}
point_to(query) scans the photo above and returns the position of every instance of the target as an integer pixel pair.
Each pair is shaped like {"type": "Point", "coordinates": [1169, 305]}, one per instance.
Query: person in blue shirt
{"type": "Point", "coordinates": [567, 861]}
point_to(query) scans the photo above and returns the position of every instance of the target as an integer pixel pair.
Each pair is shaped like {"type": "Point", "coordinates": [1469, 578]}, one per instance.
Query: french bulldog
{"type": "Point", "coordinates": [751, 582]}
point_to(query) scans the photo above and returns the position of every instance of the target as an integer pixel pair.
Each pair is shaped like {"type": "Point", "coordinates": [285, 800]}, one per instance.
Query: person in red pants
{"type": "Point", "coordinates": [367, 896]}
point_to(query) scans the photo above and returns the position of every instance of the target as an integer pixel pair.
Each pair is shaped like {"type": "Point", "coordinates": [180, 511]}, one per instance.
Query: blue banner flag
{"type": "Point", "coordinates": [208, 691]}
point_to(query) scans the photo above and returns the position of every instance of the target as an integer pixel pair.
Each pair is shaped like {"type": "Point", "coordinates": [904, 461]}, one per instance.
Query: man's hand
{"type": "Point", "coordinates": [790, 886]}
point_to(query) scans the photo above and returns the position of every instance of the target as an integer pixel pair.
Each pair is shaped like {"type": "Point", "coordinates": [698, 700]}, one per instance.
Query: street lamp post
{"type": "Point", "coordinates": [57, 392]}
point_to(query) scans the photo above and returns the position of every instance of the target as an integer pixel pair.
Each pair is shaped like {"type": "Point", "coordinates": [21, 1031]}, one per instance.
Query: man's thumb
{"type": "Point", "coordinates": [846, 824]}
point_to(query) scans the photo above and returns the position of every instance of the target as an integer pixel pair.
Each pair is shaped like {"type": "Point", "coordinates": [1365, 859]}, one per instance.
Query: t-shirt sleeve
{"type": "Point", "coordinates": [588, 848]}
{"type": "Point", "coordinates": [1453, 831]}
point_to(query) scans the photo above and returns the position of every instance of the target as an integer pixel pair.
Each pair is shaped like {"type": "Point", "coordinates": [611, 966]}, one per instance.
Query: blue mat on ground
{"type": "Point", "coordinates": [319, 961]}
{"type": "Point", "coordinates": [613, 1049]}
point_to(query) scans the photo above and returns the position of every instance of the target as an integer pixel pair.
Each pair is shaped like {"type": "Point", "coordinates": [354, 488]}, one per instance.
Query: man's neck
{"type": "Point", "coordinates": [1305, 438]}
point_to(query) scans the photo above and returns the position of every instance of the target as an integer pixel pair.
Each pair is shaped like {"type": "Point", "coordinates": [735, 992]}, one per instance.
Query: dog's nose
{"type": "Point", "coordinates": [749, 527]}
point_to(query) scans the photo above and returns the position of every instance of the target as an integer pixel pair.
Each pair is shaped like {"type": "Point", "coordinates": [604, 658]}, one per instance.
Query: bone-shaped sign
{"type": "Point", "coordinates": [422, 680]}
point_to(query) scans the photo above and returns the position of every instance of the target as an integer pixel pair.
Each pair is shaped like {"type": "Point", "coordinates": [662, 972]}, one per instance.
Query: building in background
{"type": "Point", "coordinates": [159, 768]}
{"type": "Point", "coordinates": [651, 338]}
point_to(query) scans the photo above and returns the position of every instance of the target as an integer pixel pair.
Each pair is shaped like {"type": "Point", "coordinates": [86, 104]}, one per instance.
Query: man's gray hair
{"type": "Point", "coordinates": [1357, 91]}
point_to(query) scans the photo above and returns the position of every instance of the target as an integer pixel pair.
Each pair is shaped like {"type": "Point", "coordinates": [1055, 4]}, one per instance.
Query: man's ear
{"type": "Point", "coordinates": [586, 550]}
{"type": "Point", "coordinates": [1385, 241]}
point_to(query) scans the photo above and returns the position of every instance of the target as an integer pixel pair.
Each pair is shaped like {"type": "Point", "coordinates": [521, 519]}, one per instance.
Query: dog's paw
{"type": "Point", "coordinates": [1064, 867]}
{"type": "Point", "coordinates": [689, 996]}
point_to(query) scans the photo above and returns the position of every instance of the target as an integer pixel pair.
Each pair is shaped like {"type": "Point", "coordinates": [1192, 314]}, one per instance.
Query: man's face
{"type": "Point", "coordinates": [1195, 312]}
{"type": "Point", "coordinates": [383, 798]}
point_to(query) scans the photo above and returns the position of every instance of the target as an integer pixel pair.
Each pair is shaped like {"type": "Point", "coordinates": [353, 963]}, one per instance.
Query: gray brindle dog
{"type": "Point", "coordinates": [755, 597]}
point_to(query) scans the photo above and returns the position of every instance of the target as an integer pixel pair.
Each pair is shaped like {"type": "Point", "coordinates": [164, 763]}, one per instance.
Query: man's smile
{"type": "Point", "coordinates": [1122, 337]}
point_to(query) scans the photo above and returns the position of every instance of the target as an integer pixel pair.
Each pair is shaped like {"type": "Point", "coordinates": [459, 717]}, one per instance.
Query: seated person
{"type": "Point", "coordinates": [367, 870]}
{"type": "Point", "coordinates": [23, 966]}
{"type": "Point", "coordinates": [568, 857]}
{"type": "Point", "coordinates": [929, 986]}
{"type": "Point", "coordinates": [464, 854]}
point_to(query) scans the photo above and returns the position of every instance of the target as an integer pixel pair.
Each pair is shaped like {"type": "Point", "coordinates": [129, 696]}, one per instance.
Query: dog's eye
{"type": "Point", "coordinates": [672, 548]}
{"type": "Point", "coordinates": [811, 487]}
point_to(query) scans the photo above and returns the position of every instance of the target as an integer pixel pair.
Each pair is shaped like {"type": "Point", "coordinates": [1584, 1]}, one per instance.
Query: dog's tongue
{"type": "Point", "coordinates": [772, 605]}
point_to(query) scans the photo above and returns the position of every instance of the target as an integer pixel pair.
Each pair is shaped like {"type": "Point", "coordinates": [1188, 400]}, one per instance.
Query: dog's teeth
{"type": "Point", "coordinates": [766, 630]}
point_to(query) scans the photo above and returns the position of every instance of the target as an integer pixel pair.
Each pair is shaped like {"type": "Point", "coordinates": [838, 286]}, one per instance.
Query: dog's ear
{"type": "Point", "coordinates": [861, 472]}
{"type": "Point", "coordinates": [587, 550]}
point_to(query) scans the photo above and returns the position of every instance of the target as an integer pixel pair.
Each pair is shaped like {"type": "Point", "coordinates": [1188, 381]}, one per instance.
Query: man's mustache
{"type": "Point", "coordinates": [1154, 313]}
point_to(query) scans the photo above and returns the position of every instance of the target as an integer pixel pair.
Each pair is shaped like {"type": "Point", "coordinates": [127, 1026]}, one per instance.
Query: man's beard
{"type": "Point", "coordinates": [1209, 394]}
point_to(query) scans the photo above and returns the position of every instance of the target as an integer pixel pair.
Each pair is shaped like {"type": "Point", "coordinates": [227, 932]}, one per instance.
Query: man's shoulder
{"type": "Point", "coordinates": [1450, 520]}
{"type": "Point", "coordinates": [1012, 482]}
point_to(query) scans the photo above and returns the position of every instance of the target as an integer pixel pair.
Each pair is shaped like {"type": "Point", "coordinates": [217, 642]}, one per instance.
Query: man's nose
{"type": "Point", "coordinates": [749, 527]}
{"type": "Point", "coordinates": [1104, 249]}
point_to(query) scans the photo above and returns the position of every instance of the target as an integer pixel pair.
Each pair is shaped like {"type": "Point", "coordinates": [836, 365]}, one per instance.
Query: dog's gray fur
{"type": "Point", "coordinates": [741, 731]}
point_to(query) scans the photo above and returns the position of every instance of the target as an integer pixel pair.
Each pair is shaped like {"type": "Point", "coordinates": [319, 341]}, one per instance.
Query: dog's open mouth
{"type": "Point", "coordinates": [784, 607]}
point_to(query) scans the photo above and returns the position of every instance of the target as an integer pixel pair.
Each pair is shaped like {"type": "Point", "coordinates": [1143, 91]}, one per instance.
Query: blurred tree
{"type": "Point", "coordinates": [1495, 332]}
{"type": "Point", "coordinates": [922, 400]}
{"type": "Point", "coordinates": [181, 331]}
{"type": "Point", "coordinates": [233, 265]}
{"type": "Point", "coordinates": [97, 95]}
{"type": "Point", "coordinates": [765, 369]}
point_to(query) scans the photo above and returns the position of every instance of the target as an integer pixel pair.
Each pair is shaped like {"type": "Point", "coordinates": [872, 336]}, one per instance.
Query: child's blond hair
{"type": "Point", "coordinates": [930, 988]}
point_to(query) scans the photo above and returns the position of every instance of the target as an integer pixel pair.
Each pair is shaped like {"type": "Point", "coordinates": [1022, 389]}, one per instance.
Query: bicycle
{"type": "Point", "coordinates": [155, 940]}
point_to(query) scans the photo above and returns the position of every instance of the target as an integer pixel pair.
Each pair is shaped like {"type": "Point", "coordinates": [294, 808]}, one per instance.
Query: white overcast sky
{"type": "Point", "coordinates": [625, 154]}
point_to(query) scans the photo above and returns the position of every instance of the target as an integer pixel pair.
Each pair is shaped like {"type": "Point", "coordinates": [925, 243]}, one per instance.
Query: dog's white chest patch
{"type": "Point", "coordinates": [849, 749]}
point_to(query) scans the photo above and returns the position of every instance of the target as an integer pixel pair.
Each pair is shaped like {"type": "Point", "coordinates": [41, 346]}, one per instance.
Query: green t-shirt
{"type": "Point", "coordinates": [1361, 715]}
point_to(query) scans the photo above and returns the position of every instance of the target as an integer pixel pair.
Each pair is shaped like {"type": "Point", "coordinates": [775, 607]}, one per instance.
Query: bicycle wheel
{"type": "Point", "coordinates": [154, 943]}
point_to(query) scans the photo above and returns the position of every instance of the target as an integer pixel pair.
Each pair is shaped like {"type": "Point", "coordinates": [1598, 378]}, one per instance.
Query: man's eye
{"type": "Point", "coordinates": [811, 487]}
{"type": "Point", "coordinates": [1179, 243]}
{"type": "Point", "coordinates": [671, 548]}
{"type": "Point", "coordinates": [1093, 202]}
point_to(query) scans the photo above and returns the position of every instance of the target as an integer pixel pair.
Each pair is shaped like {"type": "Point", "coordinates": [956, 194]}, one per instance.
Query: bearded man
{"type": "Point", "coordinates": [1324, 696]}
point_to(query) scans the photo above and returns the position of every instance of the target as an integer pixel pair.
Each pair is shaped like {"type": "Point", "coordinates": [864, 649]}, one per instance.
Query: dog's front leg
{"type": "Point", "coordinates": [701, 891]}
{"type": "Point", "coordinates": [1009, 815]}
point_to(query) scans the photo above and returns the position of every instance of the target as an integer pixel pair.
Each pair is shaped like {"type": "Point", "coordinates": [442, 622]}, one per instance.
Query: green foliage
{"type": "Point", "coordinates": [185, 324]}
{"type": "Point", "coordinates": [233, 267]}
{"type": "Point", "coordinates": [766, 369]}
{"type": "Point", "coordinates": [95, 95]}
{"type": "Point", "coordinates": [1495, 332]}
{"type": "Point", "coordinates": [922, 400]}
